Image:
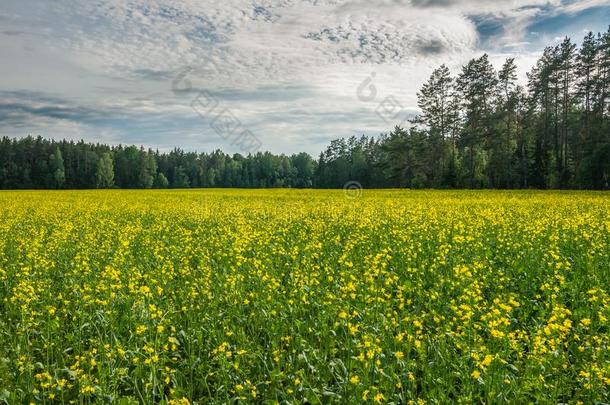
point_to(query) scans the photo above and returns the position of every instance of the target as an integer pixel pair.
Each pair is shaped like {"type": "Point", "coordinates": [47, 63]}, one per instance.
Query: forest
{"type": "Point", "coordinates": [479, 128]}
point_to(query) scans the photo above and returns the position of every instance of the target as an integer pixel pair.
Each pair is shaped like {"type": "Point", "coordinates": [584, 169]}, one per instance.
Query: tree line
{"type": "Point", "coordinates": [40, 163]}
{"type": "Point", "coordinates": [477, 129]}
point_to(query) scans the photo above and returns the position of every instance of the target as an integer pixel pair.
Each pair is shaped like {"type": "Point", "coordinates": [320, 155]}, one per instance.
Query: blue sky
{"type": "Point", "coordinates": [296, 74]}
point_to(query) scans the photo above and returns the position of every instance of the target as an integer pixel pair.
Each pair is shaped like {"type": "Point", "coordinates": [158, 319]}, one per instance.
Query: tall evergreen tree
{"type": "Point", "coordinates": [567, 55]}
{"type": "Point", "coordinates": [477, 84]}
{"type": "Point", "coordinates": [435, 102]}
{"type": "Point", "coordinates": [502, 151]}
{"type": "Point", "coordinates": [587, 72]}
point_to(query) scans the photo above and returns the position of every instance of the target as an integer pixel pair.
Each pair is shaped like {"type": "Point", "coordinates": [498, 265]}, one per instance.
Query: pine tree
{"type": "Point", "coordinates": [567, 55]}
{"type": "Point", "coordinates": [435, 100]}
{"type": "Point", "coordinates": [541, 100]}
{"type": "Point", "coordinates": [603, 77]}
{"type": "Point", "coordinates": [477, 84]}
{"type": "Point", "coordinates": [508, 100]}
{"type": "Point", "coordinates": [586, 69]}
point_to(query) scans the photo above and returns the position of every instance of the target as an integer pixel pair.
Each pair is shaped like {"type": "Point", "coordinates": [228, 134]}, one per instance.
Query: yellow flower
{"type": "Point", "coordinates": [486, 361]}
{"type": "Point", "coordinates": [181, 401]}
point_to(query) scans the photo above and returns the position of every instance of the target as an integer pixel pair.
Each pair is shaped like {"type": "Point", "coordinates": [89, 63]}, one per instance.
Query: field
{"type": "Point", "coordinates": [223, 296]}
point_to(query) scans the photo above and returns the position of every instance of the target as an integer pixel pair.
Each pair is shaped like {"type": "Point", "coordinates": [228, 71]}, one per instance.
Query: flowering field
{"type": "Point", "coordinates": [304, 296]}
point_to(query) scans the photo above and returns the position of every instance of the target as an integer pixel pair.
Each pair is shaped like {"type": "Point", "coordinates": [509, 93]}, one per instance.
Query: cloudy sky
{"type": "Point", "coordinates": [295, 73]}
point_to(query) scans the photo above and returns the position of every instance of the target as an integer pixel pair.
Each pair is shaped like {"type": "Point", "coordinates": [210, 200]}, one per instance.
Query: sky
{"type": "Point", "coordinates": [288, 76]}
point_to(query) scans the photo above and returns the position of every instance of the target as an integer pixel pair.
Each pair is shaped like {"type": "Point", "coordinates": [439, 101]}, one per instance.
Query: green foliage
{"type": "Point", "coordinates": [105, 171]}
{"type": "Point", "coordinates": [161, 181]}
{"type": "Point", "coordinates": [56, 165]}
